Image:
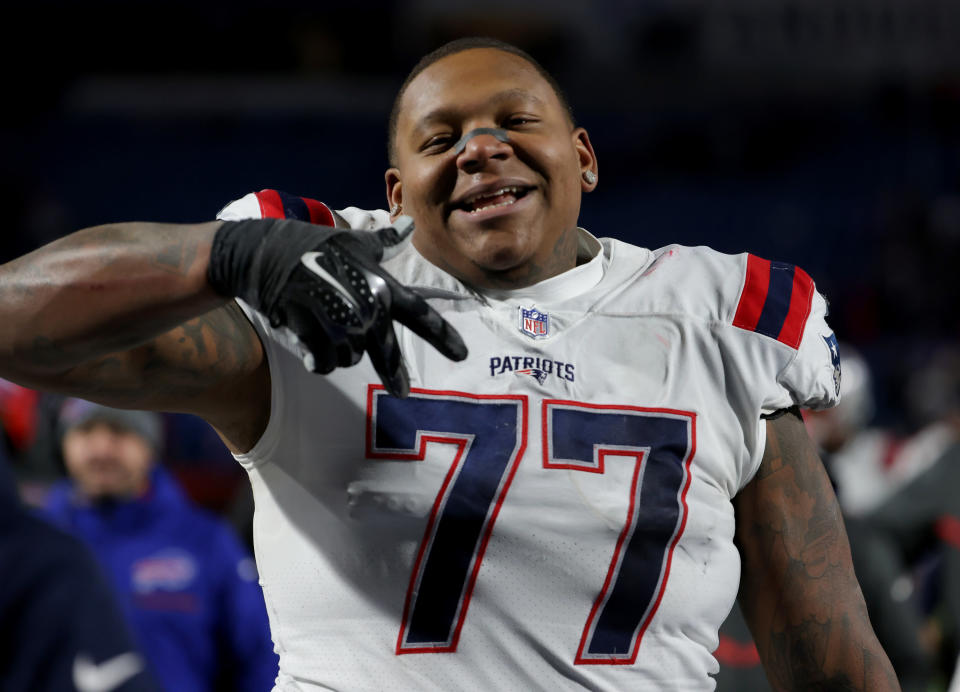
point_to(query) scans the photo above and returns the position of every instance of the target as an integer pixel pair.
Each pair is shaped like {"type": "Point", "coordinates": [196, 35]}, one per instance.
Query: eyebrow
{"type": "Point", "coordinates": [446, 113]}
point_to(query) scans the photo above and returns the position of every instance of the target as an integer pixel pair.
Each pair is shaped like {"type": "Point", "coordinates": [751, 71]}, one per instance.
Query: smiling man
{"type": "Point", "coordinates": [502, 212]}
{"type": "Point", "coordinates": [554, 509]}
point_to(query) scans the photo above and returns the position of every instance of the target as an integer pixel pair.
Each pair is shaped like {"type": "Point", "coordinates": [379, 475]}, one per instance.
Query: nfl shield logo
{"type": "Point", "coordinates": [534, 323]}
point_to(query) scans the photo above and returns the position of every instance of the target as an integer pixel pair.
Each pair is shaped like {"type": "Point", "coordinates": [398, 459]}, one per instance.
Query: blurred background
{"type": "Point", "coordinates": [825, 134]}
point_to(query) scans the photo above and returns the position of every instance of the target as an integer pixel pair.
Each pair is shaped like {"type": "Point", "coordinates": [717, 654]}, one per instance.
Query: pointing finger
{"type": "Point", "coordinates": [384, 352]}
{"type": "Point", "coordinates": [413, 311]}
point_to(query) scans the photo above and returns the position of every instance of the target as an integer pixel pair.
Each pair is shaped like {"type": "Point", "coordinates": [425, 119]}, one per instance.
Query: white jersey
{"type": "Point", "coordinates": [554, 512]}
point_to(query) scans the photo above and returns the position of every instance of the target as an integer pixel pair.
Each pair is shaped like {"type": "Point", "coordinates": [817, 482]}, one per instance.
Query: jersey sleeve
{"type": "Point", "coordinates": [279, 342]}
{"type": "Point", "coordinates": [779, 301]}
{"type": "Point", "coordinates": [275, 204]}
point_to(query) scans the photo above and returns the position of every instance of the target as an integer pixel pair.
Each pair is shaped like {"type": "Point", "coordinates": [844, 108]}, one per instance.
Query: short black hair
{"type": "Point", "coordinates": [458, 46]}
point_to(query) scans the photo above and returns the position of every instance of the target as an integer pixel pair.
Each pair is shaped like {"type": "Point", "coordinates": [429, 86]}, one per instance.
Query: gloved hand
{"type": "Point", "coordinates": [326, 286]}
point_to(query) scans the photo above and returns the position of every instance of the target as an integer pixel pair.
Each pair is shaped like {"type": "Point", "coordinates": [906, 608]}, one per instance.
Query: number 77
{"type": "Point", "coordinates": [490, 432]}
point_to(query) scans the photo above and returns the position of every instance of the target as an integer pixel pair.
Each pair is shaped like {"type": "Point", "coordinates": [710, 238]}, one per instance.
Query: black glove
{"type": "Point", "coordinates": [326, 286]}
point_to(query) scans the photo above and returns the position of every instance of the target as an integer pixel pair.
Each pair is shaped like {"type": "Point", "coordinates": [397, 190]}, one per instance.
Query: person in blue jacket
{"type": "Point", "coordinates": [188, 587]}
{"type": "Point", "coordinates": [60, 626]}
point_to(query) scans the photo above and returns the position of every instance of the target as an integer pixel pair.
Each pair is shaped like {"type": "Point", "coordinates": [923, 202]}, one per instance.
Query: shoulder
{"type": "Point", "coordinates": [209, 533]}
{"type": "Point", "coordinates": [277, 204]}
{"type": "Point", "coordinates": [770, 298]}
{"type": "Point", "coordinates": [695, 282]}
{"type": "Point", "coordinates": [767, 315]}
{"type": "Point", "coordinates": [362, 219]}
{"type": "Point", "coordinates": [58, 505]}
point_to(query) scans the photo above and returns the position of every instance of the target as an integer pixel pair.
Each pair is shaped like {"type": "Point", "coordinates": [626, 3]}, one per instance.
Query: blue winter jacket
{"type": "Point", "coordinates": [59, 620]}
{"type": "Point", "coordinates": [187, 585]}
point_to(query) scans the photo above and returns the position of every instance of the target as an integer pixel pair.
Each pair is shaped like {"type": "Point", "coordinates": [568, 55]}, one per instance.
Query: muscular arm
{"type": "Point", "coordinates": [798, 590]}
{"type": "Point", "coordinates": [122, 314]}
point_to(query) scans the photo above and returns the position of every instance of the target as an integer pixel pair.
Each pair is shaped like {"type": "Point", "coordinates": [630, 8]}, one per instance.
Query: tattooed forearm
{"type": "Point", "coordinates": [124, 315]}
{"type": "Point", "coordinates": [798, 589]}
{"type": "Point", "coordinates": [100, 290]}
{"type": "Point", "coordinates": [178, 255]}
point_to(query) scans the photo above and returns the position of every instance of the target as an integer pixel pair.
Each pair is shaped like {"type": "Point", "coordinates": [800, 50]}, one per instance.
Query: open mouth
{"type": "Point", "coordinates": [502, 197]}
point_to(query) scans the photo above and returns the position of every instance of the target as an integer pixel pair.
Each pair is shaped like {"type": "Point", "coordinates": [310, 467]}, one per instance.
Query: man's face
{"type": "Point", "coordinates": [107, 460]}
{"type": "Point", "coordinates": [498, 214]}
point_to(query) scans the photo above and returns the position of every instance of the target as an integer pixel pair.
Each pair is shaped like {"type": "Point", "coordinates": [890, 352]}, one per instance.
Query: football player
{"type": "Point", "coordinates": [554, 508]}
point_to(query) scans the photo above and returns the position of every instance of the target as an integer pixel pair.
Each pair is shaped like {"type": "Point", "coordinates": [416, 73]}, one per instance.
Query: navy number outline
{"type": "Point", "coordinates": [656, 438]}
{"type": "Point", "coordinates": [662, 442]}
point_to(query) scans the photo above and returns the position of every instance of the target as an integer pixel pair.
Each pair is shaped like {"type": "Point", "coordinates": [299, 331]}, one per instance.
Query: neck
{"type": "Point", "coordinates": [561, 258]}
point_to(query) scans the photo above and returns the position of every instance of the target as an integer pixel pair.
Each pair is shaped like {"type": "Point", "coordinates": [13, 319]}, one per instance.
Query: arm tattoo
{"type": "Point", "coordinates": [799, 589]}
{"type": "Point", "coordinates": [193, 360]}
{"type": "Point", "coordinates": [177, 257]}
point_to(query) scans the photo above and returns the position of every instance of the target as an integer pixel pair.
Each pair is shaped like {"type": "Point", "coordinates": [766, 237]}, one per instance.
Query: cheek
{"type": "Point", "coordinates": [74, 453]}
{"type": "Point", "coordinates": [138, 456]}
{"type": "Point", "coordinates": [557, 163]}
{"type": "Point", "coordinates": [566, 167]}
{"type": "Point", "coordinates": [427, 185]}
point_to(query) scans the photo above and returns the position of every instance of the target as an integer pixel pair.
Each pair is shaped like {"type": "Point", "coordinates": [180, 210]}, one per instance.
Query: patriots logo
{"type": "Point", "coordinates": [536, 373]}
{"type": "Point", "coordinates": [831, 343]}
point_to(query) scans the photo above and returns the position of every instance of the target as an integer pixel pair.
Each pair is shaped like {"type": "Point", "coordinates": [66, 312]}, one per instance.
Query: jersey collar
{"type": "Point", "coordinates": [573, 282]}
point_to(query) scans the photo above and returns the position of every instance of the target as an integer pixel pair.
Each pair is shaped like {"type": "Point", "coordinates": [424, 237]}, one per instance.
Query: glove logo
{"type": "Point", "coordinates": [309, 260]}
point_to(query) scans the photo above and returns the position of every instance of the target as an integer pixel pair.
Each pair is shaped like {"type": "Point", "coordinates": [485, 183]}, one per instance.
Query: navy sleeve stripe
{"type": "Point", "coordinates": [777, 305]}
{"type": "Point", "coordinates": [294, 207]}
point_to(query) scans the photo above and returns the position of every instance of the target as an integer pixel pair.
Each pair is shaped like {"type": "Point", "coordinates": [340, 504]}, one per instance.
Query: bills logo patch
{"type": "Point", "coordinates": [167, 570]}
{"type": "Point", "coordinates": [831, 343]}
{"type": "Point", "coordinates": [534, 323]}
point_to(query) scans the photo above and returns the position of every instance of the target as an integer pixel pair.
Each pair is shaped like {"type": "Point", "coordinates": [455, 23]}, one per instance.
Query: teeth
{"type": "Point", "coordinates": [502, 191]}
{"type": "Point", "coordinates": [493, 206]}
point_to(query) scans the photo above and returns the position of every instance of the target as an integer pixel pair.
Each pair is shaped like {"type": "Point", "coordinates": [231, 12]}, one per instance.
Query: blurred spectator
{"type": "Point", "coordinates": [28, 421]}
{"type": "Point", "coordinates": [188, 587]}
{"type": "Point", "coordinates": [902, 511]}
{"type": "Point", "coordinates": [60, 627]}
{"type": "Point", "coordinates": [869, 465]}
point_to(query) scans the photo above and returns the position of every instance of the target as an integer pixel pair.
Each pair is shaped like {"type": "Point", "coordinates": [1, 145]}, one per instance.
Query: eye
{"type": "Point", "coordinates": [519, 120]}
{"type": "Point", "coordinates": [437, 143]}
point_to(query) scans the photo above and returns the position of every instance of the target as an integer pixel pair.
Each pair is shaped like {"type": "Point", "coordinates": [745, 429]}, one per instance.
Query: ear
{"type": "Point", "coordinates": [394, 192]}
{"type": "Point", "coordinates": [586, 156]}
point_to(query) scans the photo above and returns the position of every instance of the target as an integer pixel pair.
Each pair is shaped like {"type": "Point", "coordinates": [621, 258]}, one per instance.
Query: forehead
{"type": "Point", "coordinates": [94, 424]}
{"type": "Point", "coordinates": [471, 78]}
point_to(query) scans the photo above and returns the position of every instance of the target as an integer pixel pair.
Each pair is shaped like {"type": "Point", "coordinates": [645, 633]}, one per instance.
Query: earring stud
{"type": "Point", "coordinates": [395, 210]}
{"type": "Point", "coordinates": [590, 177]}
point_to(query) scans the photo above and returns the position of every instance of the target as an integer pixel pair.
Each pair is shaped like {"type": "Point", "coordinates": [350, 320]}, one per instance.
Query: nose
{"type": "Point", "coordinates": [101, 440]}
{"type": "Point", "coordinates": [481, 147]}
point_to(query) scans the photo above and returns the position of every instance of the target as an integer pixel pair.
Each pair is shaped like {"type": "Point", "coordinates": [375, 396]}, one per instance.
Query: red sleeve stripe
{"type": "Point", "coordinates": [319, 212]}
{"type": "Point", "coordinates": [775, 300]}
{"type": "Point", "coordinates": [271, 206]}
{"type": "Point", "coordinates": [801, 299]}
{"type": "Point", "coordinates": [281, 205]}
{"type": "Point", "coordinates": [754, 293]}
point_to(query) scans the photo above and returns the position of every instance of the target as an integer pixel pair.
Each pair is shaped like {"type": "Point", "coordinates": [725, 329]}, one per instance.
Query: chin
{"type": "Point", "coordinates": [500, 249]}
{"type": "Point", "coordinates": [502, 260]}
